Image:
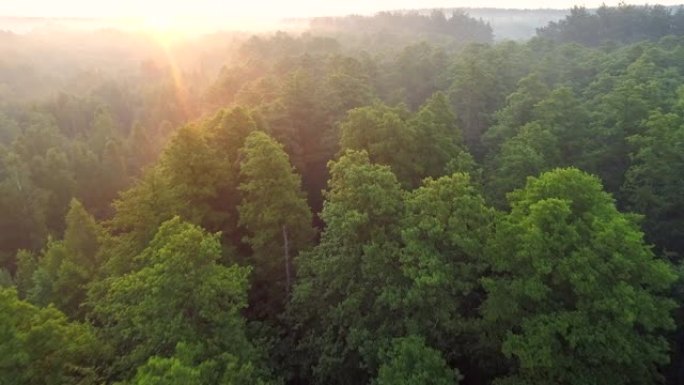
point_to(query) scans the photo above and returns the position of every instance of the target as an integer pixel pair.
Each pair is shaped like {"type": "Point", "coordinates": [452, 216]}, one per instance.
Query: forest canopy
{"type": "Point", "coordinates": [384, 200]}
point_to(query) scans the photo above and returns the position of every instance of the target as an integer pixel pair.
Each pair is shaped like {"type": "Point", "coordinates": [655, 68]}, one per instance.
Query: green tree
{"type": "Point", "coordinates": [138, 213]}
{"type": "Point", "coordinates": [576, 295]}
{"type": "Point", "coordinates": [386, 136]}
{"type": "Point", "coordinates": [176, 370]}
{"type": "Point", "coordinates": [654, 182]}
{"type": "Point", "coordinates": [622, 111]}
{"type": "Point", "coordinates": [306, 120]}
{"type": "Point", "coordinates": [411, 362]}
{"type": "Point", "coordinates": [276, 216]}
{"type": "Point", "coordinates": [517, 112]}
{"type": "Point", "coordinates": [419, 72]}
{"type": "Point", "coordinates": [225, 138]}
{"type": "Point", "coordinates": [184, 368]}
{"type": "Point", "coordinates": [39, 346]}
{"type": "Point", "coordinates": [180, 294]}
{"type": "Point", "coordinates": [483, 75]}
{"type": "Point", "coordinates": [67, 267]}
{"type": "Point", "coordinates": [166, 371]}
{"type": "Point", "coordinates": [533, 150]}
{"type": "Point", "coordinates": [82, 236]}
{"type": "Point", "coordinates": [27, 264]}
{"type": "Point", "coordinates": [348, 84]}
{"type": "Point", "coordinates": [445, 232]}
{"type": "Point", "coordinates": [439, 138]}
{"type": "Point", "coordinates": [44, 278]}
{"type": "Point", "coordinates": [23, 224]}
{"type": "Point", "coordinates": [195, 176]}
{"type": "Point", "coordinates": [348, 284]}
{"type": "Point", "coordinates": [566, 118]}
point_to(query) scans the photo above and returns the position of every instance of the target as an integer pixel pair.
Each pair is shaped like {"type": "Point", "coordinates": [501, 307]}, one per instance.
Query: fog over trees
{"type": "Point", "coordinates": [415, 197]}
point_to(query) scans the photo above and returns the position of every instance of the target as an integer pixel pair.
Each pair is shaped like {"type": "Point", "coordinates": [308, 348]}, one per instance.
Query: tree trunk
{"type": "Point", "coordinates": [286, 247]}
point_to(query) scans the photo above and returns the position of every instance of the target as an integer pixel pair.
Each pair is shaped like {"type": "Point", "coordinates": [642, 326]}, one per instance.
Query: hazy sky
{"type": "Point", "coordinates": [255, 8]}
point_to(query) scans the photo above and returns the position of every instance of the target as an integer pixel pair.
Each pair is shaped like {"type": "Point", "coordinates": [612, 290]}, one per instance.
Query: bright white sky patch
{"type": "Point", "coordinates": [253, 9]}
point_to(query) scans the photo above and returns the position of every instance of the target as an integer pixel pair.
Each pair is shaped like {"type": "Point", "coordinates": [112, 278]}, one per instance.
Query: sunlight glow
{"type": "Point", "coordinates": [165, 30]}
{"type": "Point", "coordinates": [159, 23]}
{"type": "Point", "coordinates": [253, 10]}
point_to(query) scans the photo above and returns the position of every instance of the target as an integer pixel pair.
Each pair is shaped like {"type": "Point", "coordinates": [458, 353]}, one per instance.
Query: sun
{"type": "Point", "coordinates": [165, 29]}
{"type": "Point", "coordinates": [159, 23]}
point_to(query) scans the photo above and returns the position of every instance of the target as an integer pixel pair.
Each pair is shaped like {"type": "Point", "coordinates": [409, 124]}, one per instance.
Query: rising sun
{"type": "Point", "coordinates": [165, 29]}
{"type": "Point", "coordinates": [159, 23]}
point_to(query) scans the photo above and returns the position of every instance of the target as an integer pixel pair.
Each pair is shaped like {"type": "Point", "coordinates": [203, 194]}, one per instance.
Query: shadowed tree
{"type": "Point", "coordinates": [277, 219]}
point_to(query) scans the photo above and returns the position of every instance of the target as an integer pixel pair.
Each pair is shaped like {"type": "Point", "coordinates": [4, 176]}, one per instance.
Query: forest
{"type": "Point", "coordinates": [385, 200]}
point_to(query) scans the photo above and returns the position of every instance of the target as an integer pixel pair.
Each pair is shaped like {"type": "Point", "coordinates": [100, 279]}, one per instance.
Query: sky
{"type": "Point", "coordinates": [256, 9]}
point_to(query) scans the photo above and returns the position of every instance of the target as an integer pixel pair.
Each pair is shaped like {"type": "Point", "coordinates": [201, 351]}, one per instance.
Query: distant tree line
{"type": "Point", "coordinates": [454, 29]}
{"type": "Point", "coordinates": [622, 24]}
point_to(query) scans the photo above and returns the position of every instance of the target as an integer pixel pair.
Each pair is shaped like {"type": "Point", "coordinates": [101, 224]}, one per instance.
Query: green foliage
{"type": "Point", "coordinates": [439, 139]}
{"type": "Point", "coordinates": [654, 184]}
{"type": "Point", "coordinates": [194, 174]}
{"type": "Point", "coordinates": [623, 112]}
{"type": "Point", "coordinates": [166, 371]}
{"type": "Point", "coordinates": [625, 23]}
{"type": "Point", "coordinates": [44, 278]}
{"type": "Point", "coordinates": [345, 283]}
{"type": "Point", "coordinates": [576, 295]}
{"type": "Point", "coordinates": [388, 29]}
{"type": "Point", "coordinates": [411, 362]}
{"type": "Point", "coordinates": [23, 223]}
{"type": "Point", "coordinates": [419, 73]}
{"type": "Point", "coordinates": [196, 179]}
{"type": "Point", "coordinates": [518, 110]}
{"type": "Point", "coordinates": [415, 146]}
{"type": "Point", "coordinates": [66, 268]}
{"type": "Point", "coordinates": [39, 346]}
{"type": "Point", "coordinates": [82, 236]}
{"type": "Point", "coordinates": [414, 273]}
{"type": "Point", "coordinates": [564, 116]}
{"type": "Point", "coordinates": [445, 232]}
{"type": "Point", "coordinates": [138, 213]}
{"type": "Point", "coordinates": [276, 216]}
{"type": "Point", "coordinates": [180, 294]}
{"type": "Point", "coordinates": [533, 150]}
{"type": "Point", "coordinates": [27, 264]}
{"type": "Point", "coordinates": [6, 279]}
{"type": "Point", "coordinates": [482, 78]}
{"type": "Point", "coordinates": [386, 136]}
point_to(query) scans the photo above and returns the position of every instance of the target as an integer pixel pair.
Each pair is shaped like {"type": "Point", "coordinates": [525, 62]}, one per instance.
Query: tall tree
{"type": "Point", "coordinates": [576, 295]}
{"type": "Point", "coordinates": [179, 295]}
{"type": "Point", "coordinates": [347, 285]}
{"type": "Point", "coordinates": [386, 136]}
{"type": "Point", "coordinates": [654, 184]}
{"type": "Point", "coordinates": [68, 267]}
{"type": "Point", "coordinates": [419, 72]}
{"type": "Point", "coordinates": [445, 232]}
{"type": "Point", "coordinates": [276, 216]}
{"type": "Point", "coordinates": [439, 138]}
{"type": "Point", "coordinates": [517, 112]}
{"type": "Point", "coordinates": [137, 215]}
{"type": "Point", "coordinates": [23, 224]}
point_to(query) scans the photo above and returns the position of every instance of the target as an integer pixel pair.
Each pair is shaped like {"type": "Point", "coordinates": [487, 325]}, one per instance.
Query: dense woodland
{"type": "Point", "coordinates": [309, 209]}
